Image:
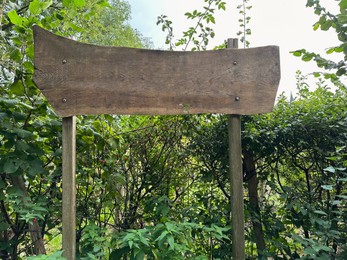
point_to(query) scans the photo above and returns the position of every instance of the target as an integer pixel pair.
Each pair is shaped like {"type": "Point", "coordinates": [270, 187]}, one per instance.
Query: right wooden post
{"type": "Point", "coordinates": [69, 188]}
{"type": "Point", "coordinates": [236, 179]}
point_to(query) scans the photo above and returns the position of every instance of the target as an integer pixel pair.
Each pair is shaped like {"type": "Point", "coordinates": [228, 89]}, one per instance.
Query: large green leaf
{"type": "Point", "coordinates": [22, 133]}
{"type": "Point", "coordinates": [11, 166]}
{"type": "Point", "coordinates": [15, 18]}
{"type": "Point", "coordinates": [35, 167]}
{"type": "Point", "coordinates": [36, 7]}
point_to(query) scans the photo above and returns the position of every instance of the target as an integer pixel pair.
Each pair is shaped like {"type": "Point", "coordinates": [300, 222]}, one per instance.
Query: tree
{"type": "Point", "coordinates": [29, 133]}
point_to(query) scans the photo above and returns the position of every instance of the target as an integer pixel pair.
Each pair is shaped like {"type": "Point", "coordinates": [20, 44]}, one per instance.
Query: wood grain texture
{"type": "Point", "coordinates": [80, 78]}
{"type": "Point", "coordinates": [236, 180]}
{"type": "Point", "coordinates": [69, 188]}
{"type": "Point", "coordinates": [236, 185]}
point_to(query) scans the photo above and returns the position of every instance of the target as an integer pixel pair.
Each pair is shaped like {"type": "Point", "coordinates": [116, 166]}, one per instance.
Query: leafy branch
{"type": "Point", "coordinates": [328, 21]}
{"type": "Point", "coordinates": [199, 34]}
{"type": "Point", "coordinates": [244, 21]}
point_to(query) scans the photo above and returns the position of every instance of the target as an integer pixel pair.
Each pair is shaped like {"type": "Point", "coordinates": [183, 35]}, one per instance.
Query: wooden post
{"type": "Point", "coordinates": [69, 188]}
{"type": "Point", "coordinates": [236, 178]}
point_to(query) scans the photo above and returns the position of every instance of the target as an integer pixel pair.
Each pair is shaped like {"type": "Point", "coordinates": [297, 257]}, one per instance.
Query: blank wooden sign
{"type": "Point", "coordinates": [80, 79]}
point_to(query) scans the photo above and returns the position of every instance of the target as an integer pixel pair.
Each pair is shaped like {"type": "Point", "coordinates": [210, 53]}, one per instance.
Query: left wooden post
{"type": "Point", "coordinates": [69, 188]}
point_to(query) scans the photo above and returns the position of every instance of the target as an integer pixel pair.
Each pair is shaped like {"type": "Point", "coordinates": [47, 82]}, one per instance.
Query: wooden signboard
{"type": "Point", "coordinates": [80, 79]}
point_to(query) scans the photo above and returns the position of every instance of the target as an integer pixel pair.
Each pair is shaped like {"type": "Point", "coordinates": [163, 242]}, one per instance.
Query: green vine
{"type": "Point", "coordinates": [244, 22]}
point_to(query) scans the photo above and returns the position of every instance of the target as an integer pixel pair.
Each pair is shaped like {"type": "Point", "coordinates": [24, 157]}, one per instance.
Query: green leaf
{"type": "Point", "coordinates": [140, 255]}
{"type": "Point", "coordinates": [15, 18]}
{"type": "Point", "coordinates": [316, 26]}
{"type": "Point", "coordinates": [35, 7]}
{"type": "Point", "coordinates": [79, 3]}
{"type": "Point", "coordinates": [35, 167]}
{"type": "Point", "coordinates": [331, 50]}
{"type": "Point", "coordinates": [343, 4]}
{"type": "Point", "coordinates": [330, 169]}
{"type": "Point", "coordinates": [17, 88]}
{"type": "Point", "coordinates": [9, 101]}
{"type": "Point", "coordinates": [327, 187]}
{"type": "Point", "coordinates": [326, 26]}
{"type": "Point", "coordinates": [171, 241]}
{"type": "Point", "coordinates": [341, 72]}
{"type": "Point", "coordinates": [16, 55]}
{"type": "Point", "coordinates": [11, 166]}
{"type": "Point", "coordinates": [319, 212]}
{"type": "Point", "coordinates": [324, 248]}
{"type": "Point", "coordinates": [46, 4]}
{"type": "Point", "coordinates": [143, 240]}
{"type": "Point", "coordinates": [309, 251]}
{"type": "Point", "coordinates": [297, 53]}
{"type": "Point", "coordinates": [307, 57]}
{"type": "Point", "coordinates": [22, 133]}
{"type": "Point", "coordinates": [26, 105]}
{"type": "Point", "coordinates": [22, 146]}
{"type": "Point", "coordinates": [162, 235]}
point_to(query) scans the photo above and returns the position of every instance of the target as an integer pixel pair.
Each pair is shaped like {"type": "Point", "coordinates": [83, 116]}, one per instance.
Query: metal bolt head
{"type": "Point", "coordinates": [237, 98]}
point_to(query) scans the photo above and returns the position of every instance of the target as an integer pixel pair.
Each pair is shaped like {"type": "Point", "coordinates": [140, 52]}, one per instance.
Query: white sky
{"type": "Point", "coordinates": [286, 23]}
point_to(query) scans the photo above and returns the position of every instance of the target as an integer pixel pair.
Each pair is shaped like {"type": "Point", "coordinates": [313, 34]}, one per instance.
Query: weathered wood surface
{"type": "Point", "coordinates": [80, 78]}
{"type": "Point", "coordinates": [236, 180]}
{"type": "Point", "coordinates": [69, 188]}
{"type": "Point", "coordinates": [236, 184]}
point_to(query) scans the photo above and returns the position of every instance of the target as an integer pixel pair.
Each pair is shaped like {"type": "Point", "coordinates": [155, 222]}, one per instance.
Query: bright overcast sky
{"type": "Point", "coordinates": [286, 23]}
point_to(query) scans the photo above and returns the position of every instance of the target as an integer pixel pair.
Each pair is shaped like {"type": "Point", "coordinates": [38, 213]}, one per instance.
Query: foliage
{"type": "Point", "coordinates": [294, 163]}
{"type": "Point", "coordinates": [197, 35]}
{"type": "Point", "coordinates": [245, 31]}
{"type": "Point", "coordinates": [93, 242]}
{"type": "Point", "coordinates": [170, 240]}
{"type": "Point", "coordinates": [30, 150]}
{"type": "Point", "coordinates": [158, 187]}
{"type": "Point", "coordinates": [333, 70]}
{"type": "Point", "coordinates": [55, 256]}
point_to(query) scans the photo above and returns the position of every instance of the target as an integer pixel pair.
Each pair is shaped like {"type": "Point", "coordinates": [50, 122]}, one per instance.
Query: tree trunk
{"type": "Point", "coordinates": [252, 184]}
{"type": "Point", "coordinates": [34, 228]}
